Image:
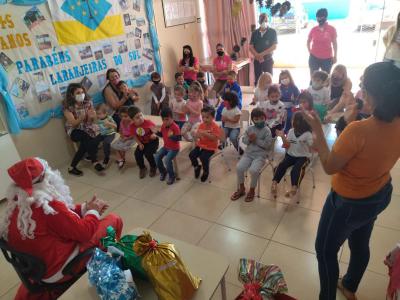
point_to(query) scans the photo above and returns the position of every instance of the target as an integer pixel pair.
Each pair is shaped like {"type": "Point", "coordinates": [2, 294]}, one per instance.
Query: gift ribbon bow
{"type": "Point", "coordinates": [153, 244]}
{"type": "Point", "coordinates": [251, 292]}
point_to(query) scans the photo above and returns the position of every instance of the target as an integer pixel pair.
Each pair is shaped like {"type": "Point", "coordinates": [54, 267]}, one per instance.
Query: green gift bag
{"type": "Point", "coordinates": [321, 110]}
{"type": "Point", "coordinates": [130, 259]}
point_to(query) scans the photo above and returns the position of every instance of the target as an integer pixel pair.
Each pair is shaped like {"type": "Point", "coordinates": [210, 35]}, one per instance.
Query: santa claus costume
{"type": "Point", "coordinates": [41, 220]}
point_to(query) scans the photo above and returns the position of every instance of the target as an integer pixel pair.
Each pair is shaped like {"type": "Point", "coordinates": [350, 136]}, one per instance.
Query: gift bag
{"type": "Point", "coordinates": [109, 279]}
{"type": "Point", "coordinates": [260, 280]}
{"type": "Point", "coordinates": [165, 269]}
{"type": "Point", "coordinates": [392, 260]}
{"type": "Point", "coordinates": [129, 258]}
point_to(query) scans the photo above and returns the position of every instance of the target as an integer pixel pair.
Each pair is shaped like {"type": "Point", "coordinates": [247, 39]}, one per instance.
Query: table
{"type": "Point", "coordinates": [209, 266]}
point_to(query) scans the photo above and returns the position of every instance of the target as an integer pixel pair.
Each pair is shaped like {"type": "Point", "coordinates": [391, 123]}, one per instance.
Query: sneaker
{"type": "Point", "coordinates": [197, 171]}
{"type": "Point", "coordinates": [163, 176]}
{"type": "Point", "coordinates": [75, 171]}
{"type": "Point", "coordinates": [98, 167]}
{"type": "Point", "coordinates": [121, 163]}
{"type": "Point", "coordinates": [106, 161]}
{"type": "Point", "coordinates": [171, 180]}
{"type": "Point", "coordinates": [153, 172]}
{"type": "Point", "coordinates": [204, 177]}
{"type": "Point", "coordinates": [142, 173]}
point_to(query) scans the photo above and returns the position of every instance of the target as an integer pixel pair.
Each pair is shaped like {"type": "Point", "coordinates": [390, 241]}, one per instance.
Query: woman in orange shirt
{"type": "Point", "coordinates": [361, 181]}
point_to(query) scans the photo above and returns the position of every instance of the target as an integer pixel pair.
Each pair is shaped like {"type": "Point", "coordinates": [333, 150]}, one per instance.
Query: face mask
{"type": "Point", "coordinates": [321, 21]}
{"type": "Point", "coordinates": [80, 97]}
{"type": "Point", "coordinates": [220, 53]}
{"type": "Point", "coordinates": [285, 81]}
{"type": "Point", "coordinates": [260, 124]}
{"type": "Point", "coordinates": [187, 54]}
{"type": "Point", "coordinates": [263, 25]}
{"type": "Point", "coordinates": [156, 81]}
{"type": "Point", "coordinates": [316, 85]}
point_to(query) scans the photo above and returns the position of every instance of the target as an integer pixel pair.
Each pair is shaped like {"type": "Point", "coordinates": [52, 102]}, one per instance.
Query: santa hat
{"type": "Point", "coordinates": [26, 173]}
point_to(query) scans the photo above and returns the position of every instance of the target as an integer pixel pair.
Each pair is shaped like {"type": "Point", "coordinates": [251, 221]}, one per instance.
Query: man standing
{"type": "Point", "coordinates": [262, 45]}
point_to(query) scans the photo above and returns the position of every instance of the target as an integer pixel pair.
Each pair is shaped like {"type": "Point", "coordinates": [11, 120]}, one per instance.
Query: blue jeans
{"type": "Point", "coordinates": [169, 157]}
{"type": "Point", "coordinates": [316, 63]}
{"type": "Point", "coordinates": [233, 135]}
{"type": "Point", "coordinates": [346, 219]}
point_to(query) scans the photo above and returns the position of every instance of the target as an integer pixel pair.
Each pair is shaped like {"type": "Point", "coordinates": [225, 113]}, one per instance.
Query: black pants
{"type": "Point", "coordinates": [148, 151]}
{"type": "Point", "coordinates": [117, 119]}
{"type": "Point", "coordinates": [275, 128]}
{"type": "Point", "coordinates": [86, 144]}
{"type": "Point", "coordinates": [299, 168]}
{"type": "Point", "coordinates": [107, 140]}
{"type": "Point", "coordinates": [266, 66]}
{"type": "Point", "coordinates": [203, 155]}
{"type": "Point", "coordinates": [316, 63]}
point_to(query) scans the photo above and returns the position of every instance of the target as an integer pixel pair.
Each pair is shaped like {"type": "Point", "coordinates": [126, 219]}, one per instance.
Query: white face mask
{"type": "Point", "coordinates": [316, 85]}
{"type": "Point", "coordinates": [263, 25]}
{"type": "Point", "coordinates": [80, 97]}
{"type": "Point", "coordinates": [285, 81]}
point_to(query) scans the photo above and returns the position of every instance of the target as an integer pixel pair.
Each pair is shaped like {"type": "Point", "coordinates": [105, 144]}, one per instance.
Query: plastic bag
{"type": "Point", "coordinates": [260, 281]}
{"type": "Point", "coordinates": [130, 259]}
{"type": "Point", "coordinates": [165, 269]}
{"type": "Point", "coordinates": [108, 278]}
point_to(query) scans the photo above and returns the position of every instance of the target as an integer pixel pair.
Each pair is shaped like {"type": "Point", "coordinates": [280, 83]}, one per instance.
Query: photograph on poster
{"type": "Point", "coordinates": [136, 5]}
{"type": "Point", "coordinates": [43, 41]}
{"type": "Point", "coordinates": [137, 44]}
{"type": "Point", "coordinates": [6, 62]}
{"type": "Point", "coordinates": [107, 48]}
{"type": "Point", "coordinates": [140, 21]}
{"type": "Point", "coordinates": [33, 17]}
{"type": "Point", "coordinates": [148, 53]}
{"type": "Point", "coordinates": [98, 54]}
{"type": "Point", "coordinates": [43, 91]}
{"type": "Point", "coordinates": [122, 47]}
{"type": "Point", "coordinates": [130, 35]}
{"type": "Point", "coordinates": [136, 71]}
{"type": "Point", "coordinates": [146, 38]}
{"type": "Point", "coordinates": [63, 90]}
{"type": "Point", "coordinates": [123, 4]}
{"type": "Point", "coordinates": [138, 32]}
{"type": "Point", "coordinates": [85, 52]}
{"type": "Point", "coordinates": [19, 88]}
{"type": "Point", "coordinates": [86, 83]}
{"type": "Point", "coordinates": [38, 76]}
{"type": "Point", "coordinates": [150, 68]}
{"type": "Point", "coordinates": [127, 20]}
{"type": "Point", "coordinates": [101, 80]}
{"type": "Point", "coordinates": [22, 110]}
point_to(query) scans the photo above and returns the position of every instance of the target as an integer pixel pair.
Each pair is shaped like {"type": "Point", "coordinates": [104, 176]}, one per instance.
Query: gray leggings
{"type": "Point", "coordinates": [253, 165]}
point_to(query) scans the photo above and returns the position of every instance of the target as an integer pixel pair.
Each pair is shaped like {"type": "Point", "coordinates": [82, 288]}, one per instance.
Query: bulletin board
{"type": "Point", "coordinates": [179, 12]}
{"type": "Point", "coordinates": [46, 45]}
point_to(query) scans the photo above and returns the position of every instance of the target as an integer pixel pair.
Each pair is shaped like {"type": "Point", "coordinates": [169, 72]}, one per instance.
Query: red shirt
{"type": "Point", "coordinates": [143, 132]}
{"type": "Point", "coordinates": [191, 75]}
{"type": "Point", "coordinates": [206, 143]}
{"type": "Point", "coordinates": [322, 39]}
{"type": "Point", "coordinates": [221, 64]}
{"type": "Point", "coordinates": [166, 132]}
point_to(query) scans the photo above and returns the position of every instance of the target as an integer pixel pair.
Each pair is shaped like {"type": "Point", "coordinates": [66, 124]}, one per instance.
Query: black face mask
{"type": "Point", "coordinates": [220, 53]}
{"type": "Point", "coordinates": [321, 21]}
{"type": "Point", "coordinates": [187, 54]}
{"type": "Point", "coordinates": [156, 81]}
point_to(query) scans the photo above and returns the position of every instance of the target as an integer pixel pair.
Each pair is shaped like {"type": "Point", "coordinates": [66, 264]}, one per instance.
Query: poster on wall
{"type": "Point", "coordinates": [45, 47]}
{"type": "Point", "coordinates": [178, 12]}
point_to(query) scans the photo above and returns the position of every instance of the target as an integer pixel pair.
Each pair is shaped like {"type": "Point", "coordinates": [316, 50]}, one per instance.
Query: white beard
{"type": "Point", "coordinates": [52, 187]}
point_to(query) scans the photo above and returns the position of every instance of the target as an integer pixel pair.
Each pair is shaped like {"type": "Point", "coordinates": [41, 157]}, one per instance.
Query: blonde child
{"type": "Point", "coordinates": [261, 91]}
{"type": "Point", "coordinates": [207, 136]}
{"type": "Point", "coordinates": [274, 109]}
{"type": "Point", "coordinates": [129, 96]}
{"type": "Point", "coordinates": [177, 105]}
{"type": "Point", "coordinates": [258, 139]}
{"type": "Point", "coordinates": [289, 95]}
{"type": "Point", "coordinates": [320, 92]}
{"type": "Point", "coordinates": [231, 119]}
{"type": "Point", "coordinates": [159, 96]}
{"type": "Point", "coordinates": [108, 128]}
{"type": "Point", "coordinates": [298, 144]}
{"type": "Point", "coordinates": [126, 139]}
{"type": "Point", "coordinates": [193, 108]}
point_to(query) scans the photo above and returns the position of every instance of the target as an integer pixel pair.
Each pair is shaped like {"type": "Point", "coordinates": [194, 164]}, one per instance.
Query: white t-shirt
{"type": "Point", "coordinates": [260, 95]}
{"type": "Point", "coordinates": [321, 96]}
{"type": "Point", "coordinates": [177, 107]}
{"type": "Point", "coordinates": [231, 113]}
{"type": "Point", "coordinates": [274, 113]}
{"type": "Point", "coordinates": [299, 146]}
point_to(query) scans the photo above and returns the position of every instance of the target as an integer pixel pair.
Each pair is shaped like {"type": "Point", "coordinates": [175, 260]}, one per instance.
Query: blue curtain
{"type": "Point", "coordinates": [15, 123]}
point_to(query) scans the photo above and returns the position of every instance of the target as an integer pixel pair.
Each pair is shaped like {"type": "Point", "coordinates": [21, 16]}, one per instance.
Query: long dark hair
{"type": "Point", "coordinates": [381, 81]}
{"type": "Point", "coordinates": [191, 57]}
{"type": "Point", "coordinates": [300, 124]}
{"type": "Point", "coordinates": [69, 100]}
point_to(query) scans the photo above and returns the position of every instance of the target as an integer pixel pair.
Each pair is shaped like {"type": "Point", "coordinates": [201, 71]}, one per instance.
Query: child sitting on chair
{"type": "Point", "coordinates": [177, 105]}
{"type": "Point", "coordinates": [274, 109]}
{"type": "Point", "coordinates": [261, 91]}
{"type": "Point", "coordinates": [258, 139]}
{"type": "Point", "coordinates": [208, 134]}
{"type": "Point", "coordinates": [108, 128]}
{"type": "Point", "coordinates": [193, 108]}
{"type": "Point", "coordinates": [320, 92]}
{"type": "Point", "coordinates": [231, 119]}
{"type": "Point", "coordinates": [298, 144]}
{"type": "Point", "coordinates": [171, 135]}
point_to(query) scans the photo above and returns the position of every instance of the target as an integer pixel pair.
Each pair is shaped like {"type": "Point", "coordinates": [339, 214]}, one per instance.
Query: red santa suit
{"type": "Point", "coordinates": [42, 220]}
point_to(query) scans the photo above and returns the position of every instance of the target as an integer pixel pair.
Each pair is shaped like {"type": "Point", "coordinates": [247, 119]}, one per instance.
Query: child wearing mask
{"type": "Point", "coordinates": [289, 94]}
{"type": "Point", "coordinates": [207, 136]}
{"type": "Point", "coordinates": [274, 110]}
{"type": "Point", "coordinates": [159, 96]}
{"type": "Point", "coordinates": [320, 92]}
{"type": "Point", "coordinates": [107, 127]}
{"type": "Point", "coordinates": [258, 139]}
{"type": "Point", "coordinates": [233, 87]}
{"type": "Point", "coordinates": [261, 91]}
{"type": "Point", "coordinates": [298, 144]}
{"type": "Point", "coordinates": [177, 105]}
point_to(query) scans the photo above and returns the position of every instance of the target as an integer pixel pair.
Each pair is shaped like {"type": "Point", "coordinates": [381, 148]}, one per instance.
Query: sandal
{"type": "Point", "coordinates": [238, 194]}
{"type": "Point", "coordinates": [250, 196]}
{"type": "Point", "coordinates": [346, 293]}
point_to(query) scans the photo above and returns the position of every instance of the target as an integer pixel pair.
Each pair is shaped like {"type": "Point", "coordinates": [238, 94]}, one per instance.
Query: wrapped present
{"type": "Point", "coordinates": [109, 279]}
{"type": "Point", "coordinates": [165, 269]}
{"type": "Point", "coordinates": [129, 258]}
{"type": "Point", "coordinates": [260, 281]}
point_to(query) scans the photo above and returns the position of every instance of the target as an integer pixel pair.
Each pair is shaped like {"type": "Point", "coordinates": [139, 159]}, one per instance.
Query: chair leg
{"type": "Point", "coordinates": [259, 186]}
{"type": "Point", "coordinates": [313, 178]}
{"type": "Point", "coordinates": [176, 169]}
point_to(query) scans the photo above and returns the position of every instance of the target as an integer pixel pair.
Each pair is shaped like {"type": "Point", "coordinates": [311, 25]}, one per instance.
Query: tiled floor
{"type": "Point", "coordinates": [273, 231]}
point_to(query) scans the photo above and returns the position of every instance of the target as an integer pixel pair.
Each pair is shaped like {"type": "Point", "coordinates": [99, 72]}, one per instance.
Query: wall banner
{"type": "Point", "coordinates": [46, 45]}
